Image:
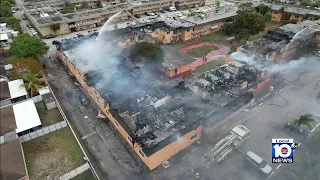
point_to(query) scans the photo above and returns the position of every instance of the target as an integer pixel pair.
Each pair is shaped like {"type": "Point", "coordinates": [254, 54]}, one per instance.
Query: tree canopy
{"type": "Point", "coordinates": [14, 23]}
{"type": "Point", "coordinates": [245, 24]}
{"type": "Point", "coordinates": [28, 46]}
{"type": "Point", "coordinates": [147, 50]}
{"type": "Point", "coordinates": [54, 27]}
{"type": "Point", "coordinates": [25, 65]}
{"type": "Point", "coordinates": [5, 6]}
{"type": "Point", "coordinates": [306, 120]}
{"type": "Point", "coordinates": [33, 82]}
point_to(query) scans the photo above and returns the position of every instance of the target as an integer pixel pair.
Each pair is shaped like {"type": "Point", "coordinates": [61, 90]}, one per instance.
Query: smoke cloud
{"type": "Point", "coordinates": [294, 67]}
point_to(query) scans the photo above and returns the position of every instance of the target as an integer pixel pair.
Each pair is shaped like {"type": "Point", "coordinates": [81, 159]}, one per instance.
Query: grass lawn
{"type": "Point", "coordinates": [217, 37]}
{"type": "Point", "coordinates": [270, 23]}
{"type": "Point", "coordinates": [48, 117]}
{"type": "Point", "coordinates": [54, 154]}
{"type": "Point", "coordinates": [201, 51]}
{"type": "Point", "coordinates": [10, 59]}
{"type": "Point", "coordinates": [87, 175]}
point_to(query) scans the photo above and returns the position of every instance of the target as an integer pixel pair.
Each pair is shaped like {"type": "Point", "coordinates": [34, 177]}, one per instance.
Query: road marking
{"type": "Point", "coordinates": [299, 144]}
{"type": "Point", "coordinates": [102, 164]}
{"type": "Point", "coordinates": [86, 136]}
{"type": "Point", "coordinates": [181, 168]}
{"type": "Point", "coordinates": [278, 166]}
{"type": "Point", "coordinates": [93, 147]}
{"type": "Point", "coordinates": [313, 129]}
{"type": "Point", "coordinates": [194, 149]}
{"type": "Point", "coordinates": [270, 175]}
{"type": "Point", "coordinates": [317, 125]}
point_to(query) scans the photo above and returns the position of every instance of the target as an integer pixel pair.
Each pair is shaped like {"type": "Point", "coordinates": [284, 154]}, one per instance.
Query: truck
{"type": "Point", "coordinates": [225, 146]}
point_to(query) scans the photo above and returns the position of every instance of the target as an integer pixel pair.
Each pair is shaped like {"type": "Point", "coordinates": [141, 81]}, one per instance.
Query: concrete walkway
{"type": "Point", "coordinates": [75, 172]}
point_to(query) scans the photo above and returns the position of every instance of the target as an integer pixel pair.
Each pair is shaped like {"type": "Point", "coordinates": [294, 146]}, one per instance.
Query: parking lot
{"type": "Point", "coordinates": [266, 122]}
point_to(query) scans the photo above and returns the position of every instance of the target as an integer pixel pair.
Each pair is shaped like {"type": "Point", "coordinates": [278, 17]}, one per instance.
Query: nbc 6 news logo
{"type": "Point", "coordinates": [282, 150]}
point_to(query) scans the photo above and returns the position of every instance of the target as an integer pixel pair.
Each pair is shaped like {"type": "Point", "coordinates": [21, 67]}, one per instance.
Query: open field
{"type": "Point", "coordinates": [48, 117]}
{"type": "Point", "coordinates": [54, 154]}
{"type": "Point", "coordinates": [87, 175]}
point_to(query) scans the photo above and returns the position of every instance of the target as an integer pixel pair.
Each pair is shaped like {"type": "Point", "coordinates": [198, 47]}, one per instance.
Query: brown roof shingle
{"type": "Point", "coordinates": [7, 120]}
{"type": "Point", "coordinates": [12, 161]}
{"type": "Point", "coordinates": [4, 91]}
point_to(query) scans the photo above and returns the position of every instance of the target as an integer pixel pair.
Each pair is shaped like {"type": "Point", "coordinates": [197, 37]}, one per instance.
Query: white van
{"type": "Point", "coordinates": [258, 162]}
{"type": "Point", "coordinates": [172, 8]}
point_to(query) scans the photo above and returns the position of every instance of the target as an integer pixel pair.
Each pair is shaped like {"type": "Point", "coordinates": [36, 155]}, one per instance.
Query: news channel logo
{"type": "Point", "coordinates": [283, 150]}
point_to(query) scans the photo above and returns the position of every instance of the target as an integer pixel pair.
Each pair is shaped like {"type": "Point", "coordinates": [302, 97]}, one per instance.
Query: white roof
{"type": "Point", "coordinates": [3, 37]}
{"type": "Point", "coordinates": [26, 115]}
{"type": "Point", "coordinates": [44, 90]}
{"type": "Point", "coordinates": [16, 89]}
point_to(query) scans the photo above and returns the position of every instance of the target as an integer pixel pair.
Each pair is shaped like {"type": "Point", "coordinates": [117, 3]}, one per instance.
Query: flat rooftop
{"type": "Point", "coordinates": [26, 115]}
{"type": "Point", "coordinates": [173, 58]}
{"type": "Point", "coordinates": [16, 88]}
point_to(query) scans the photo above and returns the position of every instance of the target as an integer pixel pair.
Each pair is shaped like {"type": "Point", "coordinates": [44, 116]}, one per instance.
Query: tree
{"type": "Point", "coordinates": [14, 23]}
{"type": "Point", "coordinates": [267, 17]}
{"type": "Point", "coordinates": [262, 9]}
{"type": "Point", "coordinates": [306, 2]}
{"type": "Point", "coordinates": [245, 24]}
{"type": "Point", "coordinates": [54, 27]}
{"type": "Point", "coordinates": [28, 46]}
{"type": "Point", "coordinates": [147, 50]}
{"type": "Point", "coordinates": [68, 7]}
{"type": "Point", "coordinates": [5, 6]}
{"type": "Point", "coordinates": [25, 65]}
{"type": "Point", "coordinates": [33, 82]}
{"type": "Point", "coordinates": [217, 4]}
{"type": "Point", "coordinates": [306, 120]}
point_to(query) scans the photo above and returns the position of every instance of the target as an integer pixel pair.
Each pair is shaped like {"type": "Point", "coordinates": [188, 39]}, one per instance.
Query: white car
{"type": "Point", "coordinates": [197, 11]}
{"type": "Point", "coordinates": [179, 14]}
{"type": "Point", "coordinates": [172, 8]}
{"type": "Point", "coordinates": [258, 162]}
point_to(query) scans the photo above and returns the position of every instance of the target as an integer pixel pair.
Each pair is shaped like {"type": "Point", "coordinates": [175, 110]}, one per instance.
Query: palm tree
{"type": "Point", "coordinates": [33, 82]}
{"type": "Point", "coordinates": [305, 120]}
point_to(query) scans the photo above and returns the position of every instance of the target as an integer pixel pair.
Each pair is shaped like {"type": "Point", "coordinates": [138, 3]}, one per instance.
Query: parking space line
{"type": "Point", "coordinates": [299, 144]}
{"type": "Point", "coordinates": [86, 136]}
{"type": "Point", "coordinates": [278, 166]}
{"type": "Point", "coordinates": [317, 125]}
{"type": "Point", "coordinates": [194, 149]}
{"type": "Point", "coordinates": [313, 129]}
{"type": "Point", "coordinates": [270, 175]}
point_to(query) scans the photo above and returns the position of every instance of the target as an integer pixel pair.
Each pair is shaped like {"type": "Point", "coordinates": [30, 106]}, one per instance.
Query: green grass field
{"type": "Point", "coordinates": [54, 154]}
{"type": "Point", "coordinates": [48, 117]}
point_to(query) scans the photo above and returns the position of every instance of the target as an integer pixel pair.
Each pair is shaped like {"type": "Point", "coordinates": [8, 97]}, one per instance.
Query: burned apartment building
{"type": "Point", "coordinates": [157, 120]}
{"type": "Point", "coordinates": [155, 124]}
{"type": "Point", "coordinates": [285, 42]}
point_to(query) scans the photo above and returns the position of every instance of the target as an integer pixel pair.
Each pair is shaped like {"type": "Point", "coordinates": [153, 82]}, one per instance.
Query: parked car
{"type": "Point", "coordinates": [258, 162]}
{"type": "Point", "coordinates": [83, 99]}
{"type": "Point", "coordinates": [294, 127]}
{"type": "Point", "coordinates": [23, 17]}
{"type": "Point", "coordinates": [172, 9]}
{"type": "Point", "coordinates": [197, 11]}
{"type": "Point", "coordinates": [49, 36]}
{"type": "Point", "coordinates": [149, 13]}
{"type": "Point", "coordinates": [179, 14]}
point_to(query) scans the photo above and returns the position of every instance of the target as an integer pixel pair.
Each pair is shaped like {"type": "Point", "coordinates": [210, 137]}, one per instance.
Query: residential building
{"type": "Point", "coordinates": [284, 42]}
{"type": "Point", "coordinates": [12, 164]}
{"type": "Point", "coordinates": [157, 120]}
{"type": "Point", "coordinates": [41, 15]}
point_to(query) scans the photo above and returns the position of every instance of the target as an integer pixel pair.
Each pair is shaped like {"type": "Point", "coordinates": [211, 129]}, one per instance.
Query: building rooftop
{"type": "Point", "coordinates": [4, 91]}
{"type": "Point", "coordinates": [290, 9]}
{"type": "Point", "coordinates": [212, 17]}
{"type": "Point", "coordinates": [26, 115]}
{"type": "Point", "coordinates": [173, 59]}
{"type": "Point", "coordinates": [16, 88]}
{"type": "Point", "coordinates": [12, 161]}
{"type": "Point", "coordinates": [7, 120]}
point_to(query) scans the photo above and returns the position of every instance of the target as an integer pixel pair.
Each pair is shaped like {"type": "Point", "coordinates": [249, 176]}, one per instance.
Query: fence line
{"type": "Point", "coordinates": [75, 172]}
{"type": "Point", "coordinates": [43, 131]}
{"type": "Point", "coordinates": [75, 136]}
